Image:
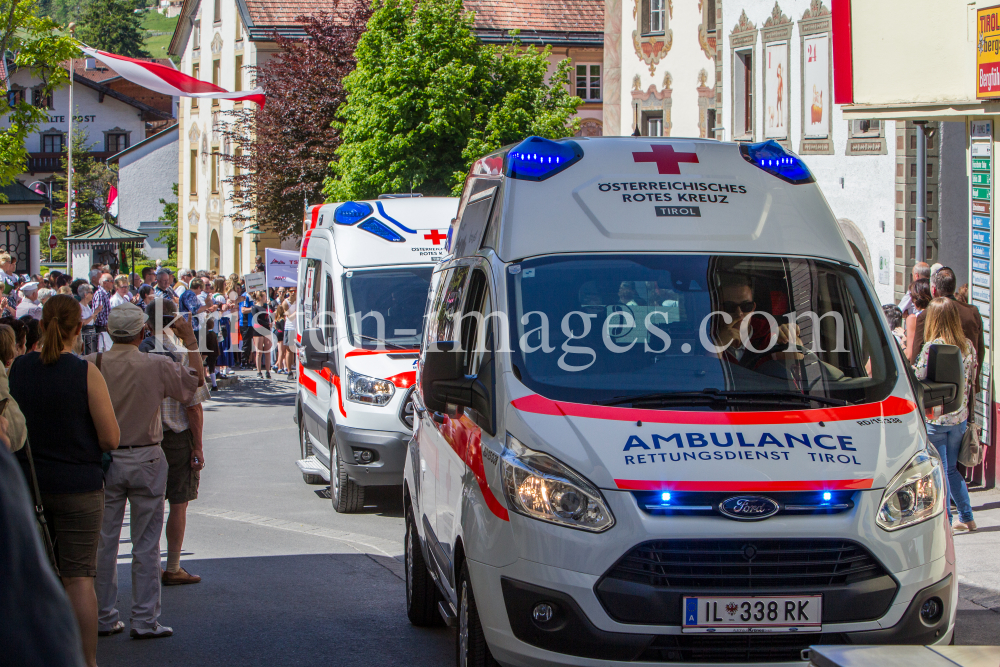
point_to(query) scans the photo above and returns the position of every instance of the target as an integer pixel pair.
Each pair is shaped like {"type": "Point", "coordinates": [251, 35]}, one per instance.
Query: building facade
{"type": "Point", "coordinates": [221, 41]}
{"type": "Point", "coordinates": [937, 67]}
{"type": "Point", "coordinates": [111, 113]}
{"type": "Point", "coordinates": [145, 178]}
{"type": "Point", "coordinates": [660, 68]}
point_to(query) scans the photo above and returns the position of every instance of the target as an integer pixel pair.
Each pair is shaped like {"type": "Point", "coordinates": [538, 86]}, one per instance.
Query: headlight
{"type": "Point", "coordinates": [368, 390]}
{"type": "Point", "coordinates": [914, 495]}
{"type": "Point", "coordinates": [538, 486]}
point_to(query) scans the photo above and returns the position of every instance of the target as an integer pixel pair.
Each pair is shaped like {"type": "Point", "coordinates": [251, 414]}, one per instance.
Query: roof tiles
{"type": "Point", "coordinates": [539, 16]}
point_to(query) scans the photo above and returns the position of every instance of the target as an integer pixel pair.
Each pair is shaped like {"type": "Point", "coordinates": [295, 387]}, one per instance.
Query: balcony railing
{"type": "Point", "coordinates": [52, 162]}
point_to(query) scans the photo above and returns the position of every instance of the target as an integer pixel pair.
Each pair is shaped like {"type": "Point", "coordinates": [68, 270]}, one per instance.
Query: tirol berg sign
{"type": "Point", "coordinates": [988, 52]}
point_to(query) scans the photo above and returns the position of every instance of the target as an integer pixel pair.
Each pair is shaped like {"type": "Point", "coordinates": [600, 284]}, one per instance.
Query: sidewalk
{"type": "Point", "coordinates": [978, 553]}
{"type": "Point", "coordinates": [978, 561]}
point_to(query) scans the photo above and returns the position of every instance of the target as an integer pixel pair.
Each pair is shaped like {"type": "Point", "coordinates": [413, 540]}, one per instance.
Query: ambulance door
{"type": "Point", "coordinates": [472, 424]}
{"type": "Point", "coordinates": [436, 429]}
{"type": "Point", "coordinates": [326, 321]}
{"type": "Point", "coordinates": [315, 388]}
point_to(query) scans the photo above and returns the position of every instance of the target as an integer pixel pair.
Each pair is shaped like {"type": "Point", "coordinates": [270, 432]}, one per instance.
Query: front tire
{"type": "Point", "coordinates": [422, 595]}
{"type": "Point", "coordinates": [305, 451]}
{"type": "Point", "coordinates": [346, 495]}
{"type": "Point", "coordinates": [470, 642]}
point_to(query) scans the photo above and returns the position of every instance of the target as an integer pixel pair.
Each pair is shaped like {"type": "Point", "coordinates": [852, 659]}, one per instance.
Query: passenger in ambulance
{"type": "Point", "coordinates": [628, 295]}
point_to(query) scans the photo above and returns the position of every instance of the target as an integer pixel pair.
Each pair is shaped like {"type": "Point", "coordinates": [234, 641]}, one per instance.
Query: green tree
{"type": "Point", "coordinates": [114, 26]}
{"type": "Point", "coordinates": [168, 236]}
{"type": "Point", "coordinates": [427, 98]}
{"type": "Point", "coordinates": [91, 181]}
{"type": "Point", "coordinates": [38, 46]}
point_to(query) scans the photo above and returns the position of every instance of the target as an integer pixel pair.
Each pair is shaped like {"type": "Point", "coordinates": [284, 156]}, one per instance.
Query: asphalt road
{"type": "Point", "coordinates": [288, 581]}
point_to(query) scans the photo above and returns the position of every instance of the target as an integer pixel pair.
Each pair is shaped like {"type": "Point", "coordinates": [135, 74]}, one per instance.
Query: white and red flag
{"type": "Point", "coordinates": [168, 80]}
{"type": "Point", "coordinates": [113, 202]}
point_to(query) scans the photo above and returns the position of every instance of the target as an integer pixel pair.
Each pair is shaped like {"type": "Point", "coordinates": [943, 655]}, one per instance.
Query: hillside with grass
{"type": "Point", "coordinates": [159, 30]}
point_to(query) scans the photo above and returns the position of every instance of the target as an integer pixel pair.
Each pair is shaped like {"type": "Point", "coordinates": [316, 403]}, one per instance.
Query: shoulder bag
{"type": "Point", "coordinates": [971, 452]}
{"type": "Point", "coordinates": [36, 497]}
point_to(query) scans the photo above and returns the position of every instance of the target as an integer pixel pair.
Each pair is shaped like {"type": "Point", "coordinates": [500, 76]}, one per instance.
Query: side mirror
{"type": "Point", "coordinates": [443, 379]}
{"type": "Point", "coordinates": [945, 382]}
{"type": "Point", "coordinates": [314, 353]}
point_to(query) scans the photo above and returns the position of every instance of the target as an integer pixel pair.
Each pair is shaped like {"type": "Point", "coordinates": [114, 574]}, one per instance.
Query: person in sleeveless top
{"type": "Point", "coordinates": [71, 423]}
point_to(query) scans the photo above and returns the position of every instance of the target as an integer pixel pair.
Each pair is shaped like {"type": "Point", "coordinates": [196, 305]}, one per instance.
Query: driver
{"type": "Point", "coordinates": [737, 298]}
{"type": "Point", "coordinates": [628, 295]}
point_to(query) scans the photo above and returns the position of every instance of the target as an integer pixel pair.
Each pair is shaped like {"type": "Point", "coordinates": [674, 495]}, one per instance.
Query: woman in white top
{"type": "Point", "coordinates": [88, 333]}
{"type": "Point", "coordinates": [121, 295]}
{"type": "Point", "coordinates": [291, 306]}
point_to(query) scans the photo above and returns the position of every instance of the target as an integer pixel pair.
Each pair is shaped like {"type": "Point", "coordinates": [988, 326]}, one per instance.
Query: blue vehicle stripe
{"type": "Point", "coordinates": [385, 215]}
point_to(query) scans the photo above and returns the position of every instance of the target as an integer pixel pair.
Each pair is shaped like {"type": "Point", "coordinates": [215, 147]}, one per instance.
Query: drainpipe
{"type": "Point", "coordinates": [921, 189]}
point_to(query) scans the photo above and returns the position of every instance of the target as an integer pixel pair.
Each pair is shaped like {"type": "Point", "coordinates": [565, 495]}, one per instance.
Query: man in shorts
{"type": "Point", "coordinates": [182, 444]}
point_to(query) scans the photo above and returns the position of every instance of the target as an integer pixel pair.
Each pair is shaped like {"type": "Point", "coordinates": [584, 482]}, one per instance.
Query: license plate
{"type": "Point", "coordinates": [801, 613]}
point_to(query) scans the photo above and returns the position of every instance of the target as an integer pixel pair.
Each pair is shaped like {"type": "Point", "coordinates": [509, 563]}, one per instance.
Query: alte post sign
{"type": "Point", "coordinates": [988, 53]}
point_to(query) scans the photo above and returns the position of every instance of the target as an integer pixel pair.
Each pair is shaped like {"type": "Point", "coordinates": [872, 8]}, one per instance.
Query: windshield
{"type": "Point", "coordinates": [386, 306]}
{"type": "Point", "coordinates": [696, 331]}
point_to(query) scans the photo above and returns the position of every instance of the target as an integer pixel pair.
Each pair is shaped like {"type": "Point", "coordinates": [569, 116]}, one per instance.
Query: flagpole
{"type": "Point", "coordinates": [69, 160]}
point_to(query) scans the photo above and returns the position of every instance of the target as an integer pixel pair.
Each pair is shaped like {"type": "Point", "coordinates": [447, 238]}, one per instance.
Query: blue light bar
{"type": "Point", "coordinates": [775, 160]}
{"type": "Point", "coordinates": [827, 495]}
{"type": "Point", "coordinates": [380, 230]}
{"type": "Point", "coordinates": [350, 213]}
{"type": "Point", "coordinates": [536, 159]}
{"type": "Point", "coordinates": [665, 497]}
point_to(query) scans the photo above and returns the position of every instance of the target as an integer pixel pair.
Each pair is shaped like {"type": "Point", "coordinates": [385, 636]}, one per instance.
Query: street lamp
{"type": "Point", "coordinates": [256, 233]}
{"type": "Point", "coordinates": [46, 214]}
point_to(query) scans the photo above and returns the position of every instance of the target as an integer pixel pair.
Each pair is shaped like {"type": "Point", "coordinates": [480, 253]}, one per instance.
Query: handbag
{"type": "Point", "coordinates": [36, 498]}
{"type": "Point", "coordinates": [970, 454]}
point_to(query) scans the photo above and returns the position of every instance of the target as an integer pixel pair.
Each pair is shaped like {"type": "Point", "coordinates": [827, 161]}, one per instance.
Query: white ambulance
{"type": "Point", "coordinates": [660, 419]}
{"type": "Point", "coordinates": [362, 289]}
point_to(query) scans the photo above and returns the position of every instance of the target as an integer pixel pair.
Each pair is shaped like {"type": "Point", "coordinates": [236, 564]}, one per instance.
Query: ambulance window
{"type": "Point", "coordinates": [663, 328]}
{"type": "Point", "coordinates": [329, 314]}
{"type": "Point", "coordinates": [474, 216]}
{"type": "Point", "coordinates": [385, 307]}
{"type": "Point", "coordinates": [311, 294]}
{"type": "Point", "coordinates": [474, 324]}
{"type": "Point", "coordinates": [492, 236]}
{"type": "Point", "coordinates": [444, 320]}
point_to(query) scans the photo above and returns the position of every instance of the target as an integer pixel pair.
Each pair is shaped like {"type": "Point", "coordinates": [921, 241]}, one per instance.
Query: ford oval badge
{"type": "Point", "coordinates": [748, 508]}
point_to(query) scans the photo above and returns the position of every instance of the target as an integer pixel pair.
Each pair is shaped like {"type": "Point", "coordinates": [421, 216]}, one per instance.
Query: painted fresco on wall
{"type": "Point", "coordinates": [816, 80]}
{"type": "Point", "coordinates": [776, 87]}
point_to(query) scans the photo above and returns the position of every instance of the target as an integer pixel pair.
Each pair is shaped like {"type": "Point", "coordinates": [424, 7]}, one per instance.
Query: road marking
{"type": "Point", "coordinates": [233, 434]}
{"type": "Point", "coordinates": [361, 543]}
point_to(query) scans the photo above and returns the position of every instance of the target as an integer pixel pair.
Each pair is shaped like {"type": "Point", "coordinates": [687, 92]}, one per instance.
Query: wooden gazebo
{"type": "Point", "coordinates": [106, 238]}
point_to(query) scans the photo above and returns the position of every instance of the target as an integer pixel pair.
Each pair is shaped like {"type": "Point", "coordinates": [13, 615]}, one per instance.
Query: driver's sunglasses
{"type": "Point", "coordinates": [733, 306]}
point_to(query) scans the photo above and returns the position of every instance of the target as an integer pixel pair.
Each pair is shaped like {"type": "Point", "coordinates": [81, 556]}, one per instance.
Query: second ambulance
{"type": "Point", "coordinates": [660, 419]}
{"type": "Point", "coordinates": [363, 281]}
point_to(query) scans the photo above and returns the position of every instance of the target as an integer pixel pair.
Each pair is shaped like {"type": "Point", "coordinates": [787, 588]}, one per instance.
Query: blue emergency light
{"type": "Point", "coordinates": [378, 229]}
{"type": "Point", "coordinates": [775, 160]}
{"type": "Point", "coordinates": [351, 213]}
{"type": "Point", "coordinates": [536, 159]}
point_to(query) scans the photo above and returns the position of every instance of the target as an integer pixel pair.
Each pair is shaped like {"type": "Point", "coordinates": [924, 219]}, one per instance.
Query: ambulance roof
{"type": "Point", "coordinates": [627, 194]}
{"type": "Point", "coordinates": [388, 232]}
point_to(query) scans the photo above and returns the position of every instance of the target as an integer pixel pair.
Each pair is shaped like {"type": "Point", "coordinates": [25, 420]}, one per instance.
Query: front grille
{"type": "Point", "coordinates": [746, 564]}
{"type": "Point", "coordinates": [730, 648]}
{"type": "Point", "coordinates": [406, 410]}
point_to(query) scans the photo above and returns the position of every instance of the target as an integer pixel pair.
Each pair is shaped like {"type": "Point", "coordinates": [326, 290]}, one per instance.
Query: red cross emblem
{"type": "Point", "coordinates": [435, 237]}
{"type": "Point", "coordinates": [667, 160]}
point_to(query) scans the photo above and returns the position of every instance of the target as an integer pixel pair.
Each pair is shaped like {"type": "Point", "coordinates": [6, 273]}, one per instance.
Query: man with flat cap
{"type": "Point", "coordinates": [138, 383]}
{"type": "Point", "coordinates": [29, 305]}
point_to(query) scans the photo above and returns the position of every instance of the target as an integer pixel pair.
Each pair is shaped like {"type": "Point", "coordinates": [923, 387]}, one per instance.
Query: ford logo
{"type": "Point", "coordinates": [748, 508]}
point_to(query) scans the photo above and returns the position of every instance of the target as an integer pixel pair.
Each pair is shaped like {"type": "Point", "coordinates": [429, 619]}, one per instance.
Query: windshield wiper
{"type": "Point", "coordinates": [714, 396]}
{"type": "Point", "coordinates": [379, 341]}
